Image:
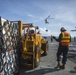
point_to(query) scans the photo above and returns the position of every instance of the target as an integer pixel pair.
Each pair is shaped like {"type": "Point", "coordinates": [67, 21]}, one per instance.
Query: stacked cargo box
{"type": "Point", "coordinates": [9, 39]}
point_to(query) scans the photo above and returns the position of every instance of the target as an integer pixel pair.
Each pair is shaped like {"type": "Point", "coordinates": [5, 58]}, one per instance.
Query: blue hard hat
{"type": "Point", "coordinates": [63, 29]}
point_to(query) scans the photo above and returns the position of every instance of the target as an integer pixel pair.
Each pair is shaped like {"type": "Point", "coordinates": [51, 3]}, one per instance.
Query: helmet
{"type": "Point", "coordinates": [62, 29]}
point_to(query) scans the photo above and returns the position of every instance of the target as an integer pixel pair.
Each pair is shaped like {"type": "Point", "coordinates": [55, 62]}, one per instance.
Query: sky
{"type": "Point", "coordinates": [63, 13]}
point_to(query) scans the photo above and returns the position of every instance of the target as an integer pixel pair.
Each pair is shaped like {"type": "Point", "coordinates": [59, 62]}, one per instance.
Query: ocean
{"type": "Point", "coordinates": [72, 46]}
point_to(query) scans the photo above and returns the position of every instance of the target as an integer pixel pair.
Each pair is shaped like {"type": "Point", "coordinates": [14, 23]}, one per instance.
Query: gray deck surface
{"type": "Point", "coordinates": [48, 63]}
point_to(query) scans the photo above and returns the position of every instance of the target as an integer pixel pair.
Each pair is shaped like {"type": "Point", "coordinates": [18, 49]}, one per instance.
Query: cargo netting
{"type": "Point", "coordinates": [9, 47]}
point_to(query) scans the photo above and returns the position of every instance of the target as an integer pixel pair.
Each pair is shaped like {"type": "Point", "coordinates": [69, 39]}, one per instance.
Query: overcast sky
{"type": "Point", "coordinates": [35, 11]}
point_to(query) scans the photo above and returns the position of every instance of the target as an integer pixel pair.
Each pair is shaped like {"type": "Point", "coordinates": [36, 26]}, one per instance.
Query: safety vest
{"type": "Point", "coordinates": [65, 39]}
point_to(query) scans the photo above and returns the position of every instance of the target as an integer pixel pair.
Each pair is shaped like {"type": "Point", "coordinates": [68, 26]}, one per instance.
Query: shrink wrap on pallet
{"type": "Point", "coordinates": [9, 39]}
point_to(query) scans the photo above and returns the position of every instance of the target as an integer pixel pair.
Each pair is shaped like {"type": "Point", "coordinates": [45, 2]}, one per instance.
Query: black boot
{"type": "Point", "coordinates": [58, 65]}
{"type": "Point", "coordinates": [63, 66]}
